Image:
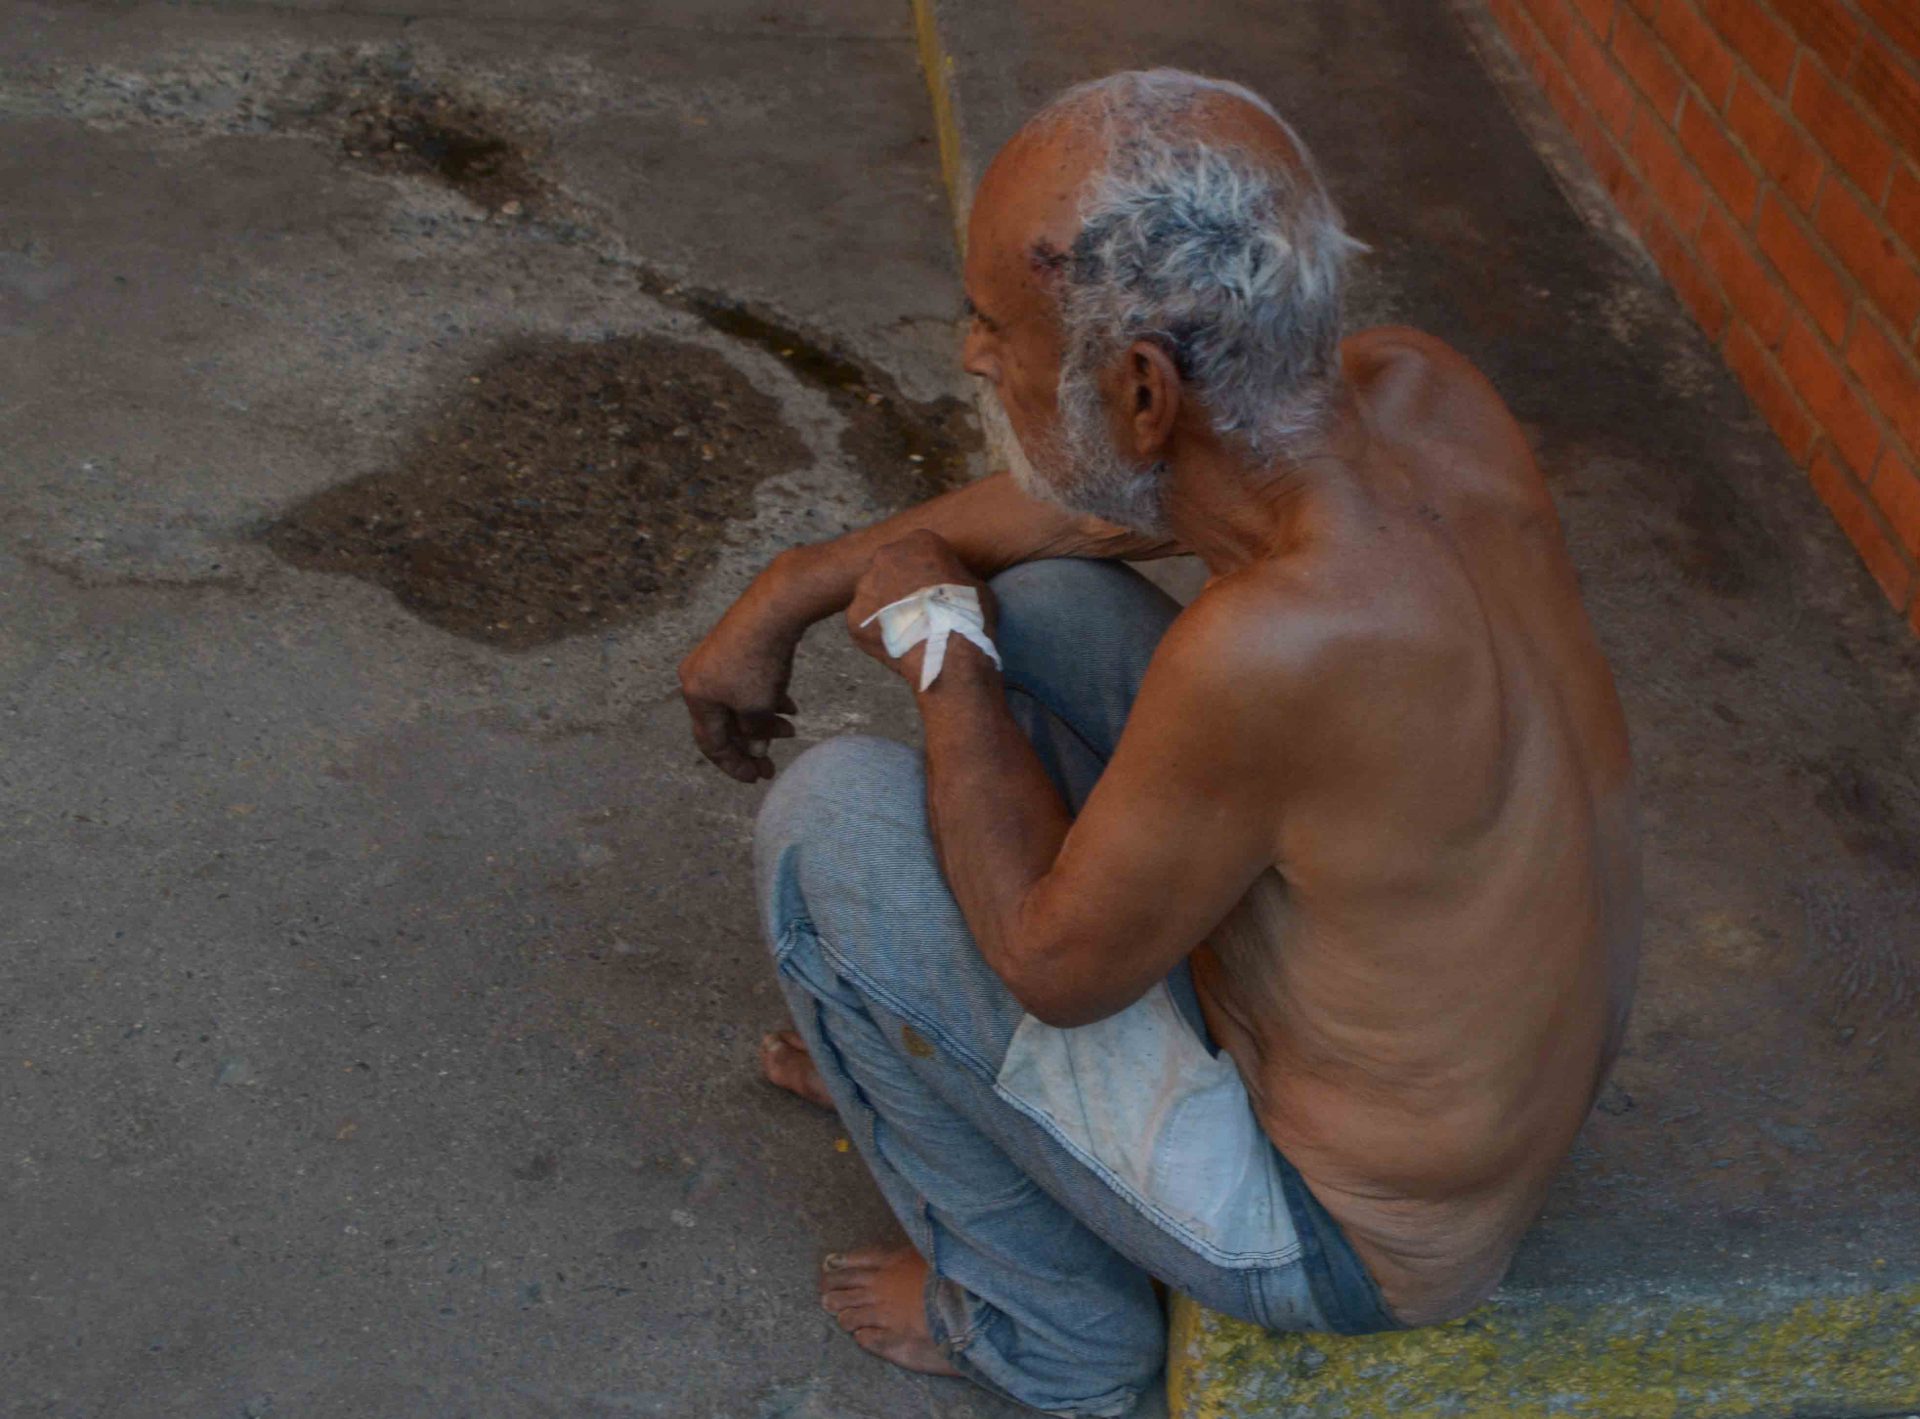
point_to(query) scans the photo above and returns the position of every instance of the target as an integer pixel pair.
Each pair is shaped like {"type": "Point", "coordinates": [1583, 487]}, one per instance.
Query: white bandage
{"type": "Point", "coordinates": [932, 614]}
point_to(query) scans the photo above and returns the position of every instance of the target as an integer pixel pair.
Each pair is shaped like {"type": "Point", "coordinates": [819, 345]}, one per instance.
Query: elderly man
{"type": "Point", "coordinates": [1275, 947]}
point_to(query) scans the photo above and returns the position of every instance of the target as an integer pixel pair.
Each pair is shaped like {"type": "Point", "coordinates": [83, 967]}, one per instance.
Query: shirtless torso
{"type": "Point", "coordinates": [1424, 993]}
{"type": "Point", "coordinates": [1397, 722]}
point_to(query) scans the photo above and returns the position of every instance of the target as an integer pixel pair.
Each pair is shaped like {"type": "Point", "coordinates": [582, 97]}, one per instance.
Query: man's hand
{"type": "Point", "coordinates": [735, 686]}
{"type": "Point", "coordinates": [913, 563]}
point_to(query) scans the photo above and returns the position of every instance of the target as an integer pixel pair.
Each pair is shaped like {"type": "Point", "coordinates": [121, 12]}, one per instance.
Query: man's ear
{"type": "Point", "coordinates": [1149, 398]}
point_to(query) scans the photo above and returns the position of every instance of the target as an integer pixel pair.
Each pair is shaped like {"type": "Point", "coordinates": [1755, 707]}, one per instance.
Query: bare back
{"type": "Point", "coordinates": [1426, 991]}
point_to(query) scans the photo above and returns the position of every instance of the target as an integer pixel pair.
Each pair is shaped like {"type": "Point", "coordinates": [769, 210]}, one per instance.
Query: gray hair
{"type": "Point", "coordinates": [1232, 261]}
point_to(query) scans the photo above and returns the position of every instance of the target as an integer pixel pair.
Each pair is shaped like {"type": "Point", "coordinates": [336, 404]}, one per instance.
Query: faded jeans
{"type": "Point", "coordinates": [1047, 1176]}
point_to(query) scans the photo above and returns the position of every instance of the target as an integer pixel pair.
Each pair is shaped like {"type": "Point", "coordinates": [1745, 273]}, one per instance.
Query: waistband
{"type": "Point", "coordinates": [1342, 1287]}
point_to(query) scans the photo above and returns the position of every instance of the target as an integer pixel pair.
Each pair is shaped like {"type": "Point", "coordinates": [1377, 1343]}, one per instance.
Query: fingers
{"type": "Point", "coordinates": [736, 741]}
{"type": "Point", "coordinates": [764, 724]}
{"type": "Point", "coordinates": [718, 734]}
{"type": "Point", "coordinates": [713, 728]}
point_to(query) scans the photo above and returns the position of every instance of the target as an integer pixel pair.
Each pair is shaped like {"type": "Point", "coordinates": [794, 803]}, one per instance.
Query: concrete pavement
{"type": "Point", "coordinates": [381, 1002]}
{"type": "Point", "coordinates": [382, 999]}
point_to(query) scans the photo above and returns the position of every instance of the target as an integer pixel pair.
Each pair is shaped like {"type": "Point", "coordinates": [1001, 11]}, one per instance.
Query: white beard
{"type": "Point", "coordinates": [1076, 466]}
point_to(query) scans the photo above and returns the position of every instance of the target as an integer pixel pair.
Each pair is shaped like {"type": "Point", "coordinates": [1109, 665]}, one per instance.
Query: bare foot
{"type": "Point", "coordinates": [878, 1296]}
{"type": "Point", "coordinates": [784, 1061]}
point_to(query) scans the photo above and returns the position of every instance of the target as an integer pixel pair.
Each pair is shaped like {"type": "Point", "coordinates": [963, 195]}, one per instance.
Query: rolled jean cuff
{"type": "Point", "coordinates": [962, 1326]}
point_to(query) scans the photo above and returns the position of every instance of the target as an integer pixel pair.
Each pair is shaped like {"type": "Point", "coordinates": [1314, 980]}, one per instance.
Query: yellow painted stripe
{"type": "Point", "coordinates": [1764, 1355]}
{"type": "Point", "coordinates": [937, 65]}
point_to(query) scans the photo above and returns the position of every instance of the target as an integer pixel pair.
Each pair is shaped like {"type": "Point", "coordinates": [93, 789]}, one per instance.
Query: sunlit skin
{"type": "Point", "coordinates": [1376, 784]}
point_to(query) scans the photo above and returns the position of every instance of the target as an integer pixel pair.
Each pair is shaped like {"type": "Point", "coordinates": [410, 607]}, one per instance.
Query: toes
{"type": "Point", "coordinates": [838, 1298]}
{"type": "Point", "coordinates": [780, 1046]}
{"type": "Point", "coordinates": [855, 1319]}
{"type": "Point", "coordinates": [863, 1259]}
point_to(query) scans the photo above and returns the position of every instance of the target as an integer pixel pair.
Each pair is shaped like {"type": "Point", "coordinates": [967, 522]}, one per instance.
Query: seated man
{"type": "Point", "coordinates": [1274, 948]}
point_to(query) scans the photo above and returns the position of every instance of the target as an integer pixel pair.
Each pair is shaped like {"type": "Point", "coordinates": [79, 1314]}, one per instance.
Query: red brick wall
{"type": "Point", "coordinates": [1768, 154]}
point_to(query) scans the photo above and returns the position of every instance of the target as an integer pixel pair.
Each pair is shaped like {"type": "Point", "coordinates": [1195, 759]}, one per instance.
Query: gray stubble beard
{"type": "Point", "coordinates": [1076, 466]}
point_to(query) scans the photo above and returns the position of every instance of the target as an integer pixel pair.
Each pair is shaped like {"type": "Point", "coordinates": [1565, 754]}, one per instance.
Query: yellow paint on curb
{"type": "Point", "coordinates": [1646, 1359]}
{"type": "Point", "coordinates": [937, 65]}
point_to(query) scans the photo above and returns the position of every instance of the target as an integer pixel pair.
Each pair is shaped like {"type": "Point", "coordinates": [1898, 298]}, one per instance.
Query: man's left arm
{"type": "Point", "coordinates": [1079, 918]}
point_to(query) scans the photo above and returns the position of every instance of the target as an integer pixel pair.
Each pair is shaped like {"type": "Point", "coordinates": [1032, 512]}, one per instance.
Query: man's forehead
{"type": "Point", "coordinates": [1026, 214]}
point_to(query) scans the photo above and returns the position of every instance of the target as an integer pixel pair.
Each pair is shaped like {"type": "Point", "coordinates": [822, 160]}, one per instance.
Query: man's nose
{"type": "Point", "coordinates": [976, 358]}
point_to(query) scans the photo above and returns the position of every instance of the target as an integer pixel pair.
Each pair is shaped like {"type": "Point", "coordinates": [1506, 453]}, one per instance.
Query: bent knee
{"type": "Point", "coordinates": [1050, 611]}
{"type": "Point", "coordinates": [841, 801]}
{"type": "Point", "coordinates": [1061, 583]}
{"type": "Point", "coordinates": [836, 784]}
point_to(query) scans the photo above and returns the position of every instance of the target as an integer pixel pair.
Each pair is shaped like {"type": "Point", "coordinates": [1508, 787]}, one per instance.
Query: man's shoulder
{"type": "Point", "coordinates": [1404, 352]}
{"type": "Point", "coordinates": [1410, 376]}
{"type": "Point", "coordinates": [1431, 402]}
{"type": "Point", "coordinates": [1284, 629]}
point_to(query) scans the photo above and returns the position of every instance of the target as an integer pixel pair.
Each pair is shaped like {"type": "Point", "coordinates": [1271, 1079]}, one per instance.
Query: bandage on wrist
{"type": "Point", "coordinates": [932, 614]}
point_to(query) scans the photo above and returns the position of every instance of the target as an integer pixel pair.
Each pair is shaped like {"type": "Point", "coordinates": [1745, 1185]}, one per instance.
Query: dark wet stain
{"type": "Point", "coordinates": [542, 1167]}
{"type": "Point", "coordinates": [1718, 555]}
{"type": "Point", "coordinates": [565, 485]}
{"type": "Point", "coordinates": [433, 135]}
{"type": "Point", "coordinates": [1865, 812]}
{"type": "Point", "coordinates": [906, 450]}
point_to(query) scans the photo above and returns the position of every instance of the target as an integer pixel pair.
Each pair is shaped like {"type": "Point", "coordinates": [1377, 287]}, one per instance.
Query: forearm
{"type": "Point", "coordinates": [991, 524]}
{"type": "Point", "coordinates": [997, 819]}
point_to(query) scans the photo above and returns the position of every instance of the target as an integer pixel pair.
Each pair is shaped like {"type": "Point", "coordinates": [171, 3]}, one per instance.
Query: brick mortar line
{"type": "Point", "coordinates": [1832, 170]}
{"type": "Point", "coordinates": [1803, 53]}
{"type": "Point", "coordinates": [1869, 26]}
{"type": "Point", "coordinates": [1822, 442]}
{"type": "Point", "coordinates": [1862, 302]}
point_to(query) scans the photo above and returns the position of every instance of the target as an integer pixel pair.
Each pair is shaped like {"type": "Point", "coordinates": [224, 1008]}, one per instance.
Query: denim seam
{"type": "Point", "coordinates": [1114, 1402]}
{"type": "Point", "coordinates": [953, 1343]}
{"type": "Point", "coordinates": [1219, 1256]}
{"type": "Point", "coordinates": [845, 966]}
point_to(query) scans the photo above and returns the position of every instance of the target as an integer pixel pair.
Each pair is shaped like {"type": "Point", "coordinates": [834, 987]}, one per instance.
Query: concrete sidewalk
{"type": "Point", "coordinates": [381, 1002]}
{"type": "Point", "coordinates": [380, 973]}
{"type": "Point", "coordinates": [1739, 1230]}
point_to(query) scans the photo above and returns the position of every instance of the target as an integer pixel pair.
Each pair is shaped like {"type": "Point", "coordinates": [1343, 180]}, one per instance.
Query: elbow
{"type": "Point", "coordinates": [1052, 990]}
{"type": "Point", "coordinates": [1062, 1013]}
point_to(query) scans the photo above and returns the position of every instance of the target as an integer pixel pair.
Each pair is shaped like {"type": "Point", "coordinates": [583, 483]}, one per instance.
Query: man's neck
{"type": "Point", "coordinates": [1231, 510]}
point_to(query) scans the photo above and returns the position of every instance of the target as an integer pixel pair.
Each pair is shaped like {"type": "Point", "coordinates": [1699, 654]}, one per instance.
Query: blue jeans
{"type": "Point", "coordinates": [1043, 1234]}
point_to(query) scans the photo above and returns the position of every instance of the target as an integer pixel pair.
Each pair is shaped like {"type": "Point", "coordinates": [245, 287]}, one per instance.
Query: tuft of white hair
{"type": "Point", "coordinates": [1233, 262]}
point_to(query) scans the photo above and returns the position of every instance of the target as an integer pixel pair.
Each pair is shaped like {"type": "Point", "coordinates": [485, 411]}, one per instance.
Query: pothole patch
{"type": "Point", "coordinates": [567, 485]}
{"type": "Point", "coordinates": [432, 135]}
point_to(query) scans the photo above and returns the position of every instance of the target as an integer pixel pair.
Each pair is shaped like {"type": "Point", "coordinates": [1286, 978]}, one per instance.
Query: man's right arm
{"type": "Point", "coordinates": [735, 680]}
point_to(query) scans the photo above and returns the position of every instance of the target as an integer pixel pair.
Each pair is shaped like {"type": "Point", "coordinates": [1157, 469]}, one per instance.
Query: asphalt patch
{"type": "Point", "coordinates": [432, 135]}
{"type": "Point", "coordinates": [565, 485]}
